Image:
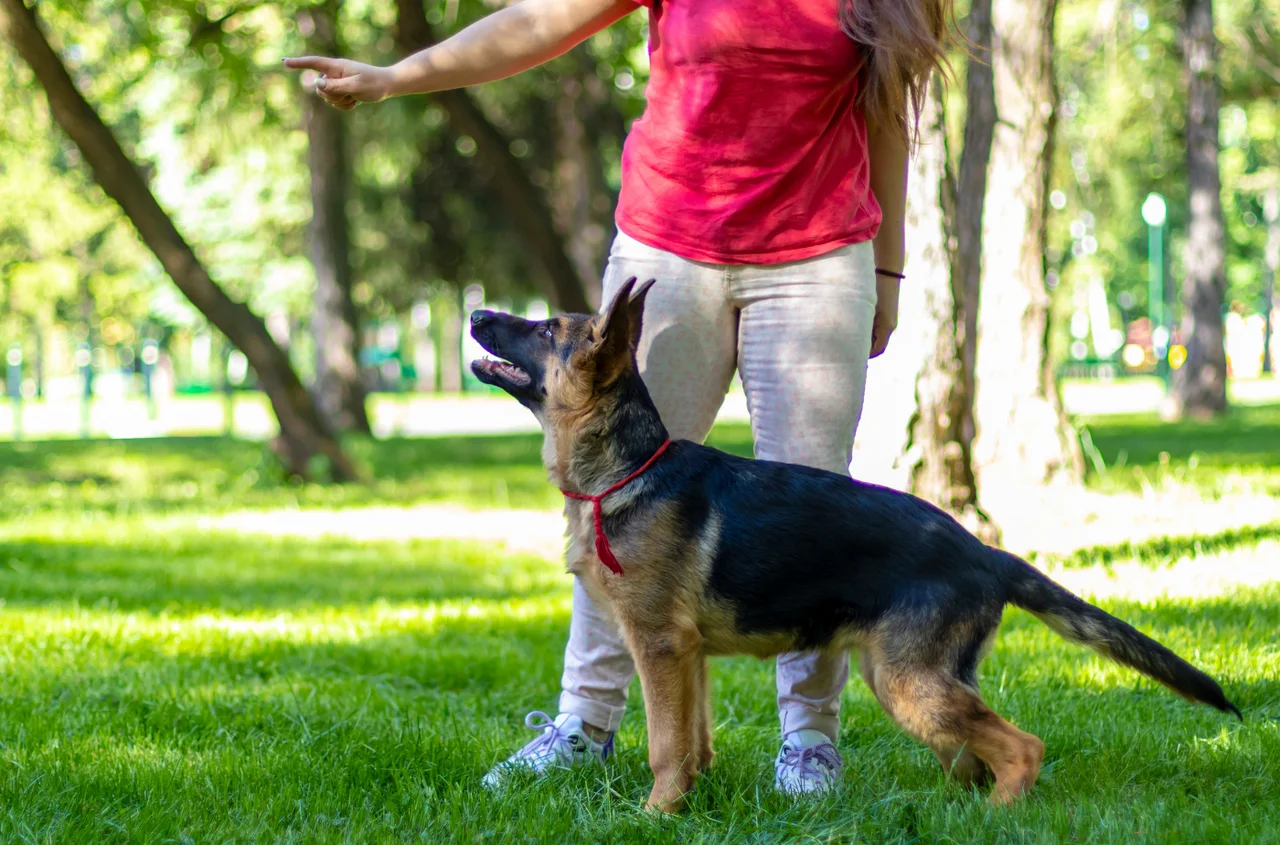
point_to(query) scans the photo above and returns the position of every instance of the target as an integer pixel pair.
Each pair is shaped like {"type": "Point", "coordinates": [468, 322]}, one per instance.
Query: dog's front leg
{"type": "Point", "coordinates": [703, 721]}
{"type": "Point", "coordinates": [667, 675]}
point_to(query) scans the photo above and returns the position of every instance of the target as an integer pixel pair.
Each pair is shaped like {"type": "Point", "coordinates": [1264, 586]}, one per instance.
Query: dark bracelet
{"type": "Point", "coordinates": [882, 272]}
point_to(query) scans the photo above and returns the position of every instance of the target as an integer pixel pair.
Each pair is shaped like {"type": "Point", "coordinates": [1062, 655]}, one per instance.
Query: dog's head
{"type": "Point", "coordinates": [564, 363]}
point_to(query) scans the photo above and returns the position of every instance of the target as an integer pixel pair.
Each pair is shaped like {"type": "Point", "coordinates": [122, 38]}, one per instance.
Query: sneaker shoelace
{"type": "Point", "coordinates": [551, 736]}
{"type": "Point", "coordinates": [806, 761]}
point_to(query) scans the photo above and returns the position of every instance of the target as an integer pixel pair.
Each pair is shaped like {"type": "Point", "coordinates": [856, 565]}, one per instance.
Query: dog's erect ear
{"type": "Point", "coordinates": [618, 330]}
{"type": "Point", "coordinates": [613, 315]}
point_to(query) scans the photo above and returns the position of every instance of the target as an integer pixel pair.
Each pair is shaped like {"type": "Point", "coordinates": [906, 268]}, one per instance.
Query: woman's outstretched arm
{"type": "Point", "coordinates": [502, 44]}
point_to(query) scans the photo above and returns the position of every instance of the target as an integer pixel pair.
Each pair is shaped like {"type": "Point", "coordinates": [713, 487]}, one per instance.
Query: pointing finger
{"type": "Point", "coordinates": [318, 63]}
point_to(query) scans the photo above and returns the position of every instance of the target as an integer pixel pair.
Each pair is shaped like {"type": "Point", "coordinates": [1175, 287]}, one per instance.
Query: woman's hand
{"type": "Point", "coordinates": [886, 319]}
{"type": "Point", "coordinates": [344, 84]}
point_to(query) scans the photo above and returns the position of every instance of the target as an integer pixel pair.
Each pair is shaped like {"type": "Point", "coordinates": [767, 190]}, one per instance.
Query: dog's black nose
{"type": "Point", "coordinates": [479, 318]}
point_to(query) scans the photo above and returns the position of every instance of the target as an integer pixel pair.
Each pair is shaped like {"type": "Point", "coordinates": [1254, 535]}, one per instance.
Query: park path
{"type": "Point", "coordinates": [1058, 523]}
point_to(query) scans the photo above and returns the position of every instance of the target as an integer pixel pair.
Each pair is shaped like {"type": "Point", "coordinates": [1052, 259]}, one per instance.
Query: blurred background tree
{"type": "Point", "coordinates": [335, 331]}
{"type": "Point", "coordinates": [304, 437]}
{"type": "Point", "coordinates": [364, 275]}
{"type": "Point", "coordinates": [1123, 135]}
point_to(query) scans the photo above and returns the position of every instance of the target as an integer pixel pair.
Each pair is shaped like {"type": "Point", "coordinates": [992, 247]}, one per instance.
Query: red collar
{"type": "Point", "coordinates": [602, 542]}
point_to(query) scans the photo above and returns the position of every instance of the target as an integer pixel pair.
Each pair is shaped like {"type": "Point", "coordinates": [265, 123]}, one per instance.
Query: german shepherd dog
{"type": "Point", "coordinates": [701, 553]}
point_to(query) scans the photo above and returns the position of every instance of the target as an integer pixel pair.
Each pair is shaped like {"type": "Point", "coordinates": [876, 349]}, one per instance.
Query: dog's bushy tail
{"type": "Point", "coordinates": [1076, 620]}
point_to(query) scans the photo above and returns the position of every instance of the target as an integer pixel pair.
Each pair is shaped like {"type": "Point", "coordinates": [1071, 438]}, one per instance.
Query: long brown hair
{"type": "Point", "coordinates": [903, 43]}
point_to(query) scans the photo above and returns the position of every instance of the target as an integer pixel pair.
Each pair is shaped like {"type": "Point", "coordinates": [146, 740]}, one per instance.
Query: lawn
{"type": "Point", "coordinates": [167, 683]}
{"type": "Point", "coordinates": [1237, 454]}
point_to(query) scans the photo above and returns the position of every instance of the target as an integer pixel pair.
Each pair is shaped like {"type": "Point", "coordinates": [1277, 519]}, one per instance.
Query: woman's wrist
{"type": "Point", "coordinates": [890, 256]}
{"type": "Point", "coordinates": [405, 77]}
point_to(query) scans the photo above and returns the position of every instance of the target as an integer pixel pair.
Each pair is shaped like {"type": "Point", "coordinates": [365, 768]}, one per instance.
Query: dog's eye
{"type": "Point", "coordinates": [548, 332]}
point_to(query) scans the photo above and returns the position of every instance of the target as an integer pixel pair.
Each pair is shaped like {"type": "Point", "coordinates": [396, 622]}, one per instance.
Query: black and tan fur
{"type": "Point", "coordinates": [724, 555]}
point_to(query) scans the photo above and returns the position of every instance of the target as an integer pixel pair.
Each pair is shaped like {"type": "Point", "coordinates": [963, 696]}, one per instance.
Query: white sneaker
{"type": "Point", "coordinates": [807, 764]}
{"type": "Point", "coordinates": [563, 744]}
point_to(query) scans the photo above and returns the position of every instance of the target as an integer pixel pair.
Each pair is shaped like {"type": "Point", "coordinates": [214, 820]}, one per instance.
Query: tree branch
{"type": "Point", "coordinates": [303, 434]}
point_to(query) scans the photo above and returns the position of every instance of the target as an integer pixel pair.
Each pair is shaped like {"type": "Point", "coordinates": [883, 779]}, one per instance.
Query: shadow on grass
{"type": "Point", "coordinates": [219, 472]}
{"type": "Point", "coordinates": [188, 572]}
{"type": "Point", "coordinates": [210, 473]}
{"type": "Point", "coordinates": [102, 460]}
{"type": "Point", "coordinates": [1163, 550]}
{"type": "Point", "coordinates": [298, 683]}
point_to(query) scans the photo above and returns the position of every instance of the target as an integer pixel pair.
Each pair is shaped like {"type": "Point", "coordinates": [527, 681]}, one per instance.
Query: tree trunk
{"type": "Point", "coordinates": [88, 304]}
{"type": "Point", "coordinates": [521, 199]}
{"type": "Point", "coordinates": [1200, 385]}
{"type": "Point", "coordinates": [951, 482]}
{"type": "Point", "coordinates": [303, 434]}
{"type": "Point", "coordinates": [37, 361]}
{"type": "Point", "coordinates": [1271, 212]}
{"type": "Point", "coordinates": [581, 201]}
{"type": "Point", "coordinates": [603, 121]}
{"type": "Point", "coordinates": [900, 444]}
{"type": "Point", "coordinates": [913, 440]}
{"type": "Point", "coordinates": [440, 253]}
{"type": "Point", "coordinates": [1024, 438]}
{"type": "Point", "coordinates": [339, 390]}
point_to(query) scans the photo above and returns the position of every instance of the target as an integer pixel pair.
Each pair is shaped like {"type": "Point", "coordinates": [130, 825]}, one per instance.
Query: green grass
{"type": "Point", "coordinates": [164, 683]}
{"type": "Point", "coordinates": [1129, 454]}
{"type": "Point", "coordinates": [1237, 454]}
{"type": "Point", "coordinates": [214, 473]}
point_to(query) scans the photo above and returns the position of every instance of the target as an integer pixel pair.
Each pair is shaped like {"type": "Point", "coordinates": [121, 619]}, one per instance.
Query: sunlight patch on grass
{"type": "Point", "coordinates": [541, 532]}
{"type": "Point", "coordinates": [1192, 573]}
{"type": "Point", "coordinates": [170, 632]}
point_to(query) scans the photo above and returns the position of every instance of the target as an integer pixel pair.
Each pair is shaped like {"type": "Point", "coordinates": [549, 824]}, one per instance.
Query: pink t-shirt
{"type": "Point", "coordinates": [750, 150]}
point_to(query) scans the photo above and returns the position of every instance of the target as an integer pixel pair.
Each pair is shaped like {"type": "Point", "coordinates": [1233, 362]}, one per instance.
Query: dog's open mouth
{"type": "Point", "coordinates": [503, 370]}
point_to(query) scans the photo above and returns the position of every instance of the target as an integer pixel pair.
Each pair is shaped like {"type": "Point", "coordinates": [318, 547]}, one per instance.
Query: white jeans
{"type": "Point", "coordinates": [799, 335]}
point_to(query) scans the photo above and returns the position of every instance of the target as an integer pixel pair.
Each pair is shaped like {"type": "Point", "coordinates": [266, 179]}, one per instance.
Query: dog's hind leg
{"type": "Point", "coordinates": [703, 721]}
{"type": "Point", "coordinates": [667, 662]}
{"type": "Point", "coordinates": [963, 732]}
{"type": "Point", "coordinates": [961, 764]}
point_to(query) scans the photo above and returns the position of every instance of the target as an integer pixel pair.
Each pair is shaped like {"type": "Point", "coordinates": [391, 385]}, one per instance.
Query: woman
{"type": "Point", "coordinates": [764, 187]}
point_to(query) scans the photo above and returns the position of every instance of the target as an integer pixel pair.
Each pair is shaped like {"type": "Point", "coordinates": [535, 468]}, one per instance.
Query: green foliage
{"type": "Point", "coordinates": [196, 92]}
{"type": "Point", "coordinates": [429, 212]}
{"type": "Point", "coordinates": [62, 244]}
{"type": "Point", "coordinates": [1121, 119]}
